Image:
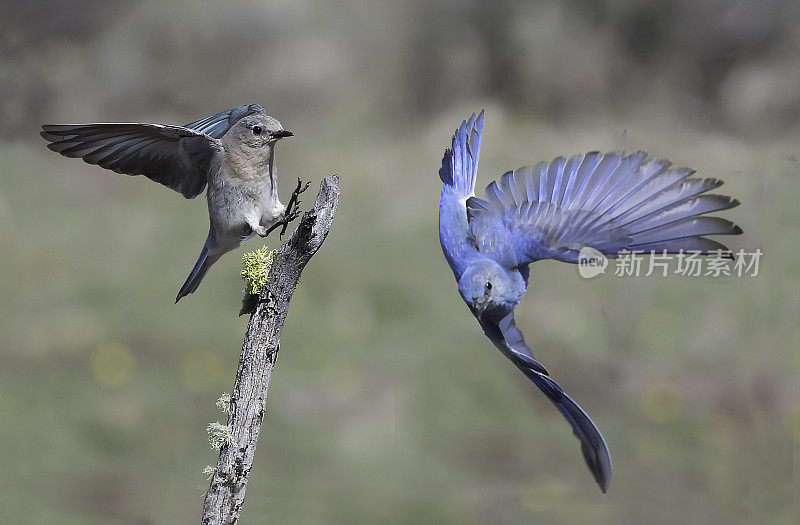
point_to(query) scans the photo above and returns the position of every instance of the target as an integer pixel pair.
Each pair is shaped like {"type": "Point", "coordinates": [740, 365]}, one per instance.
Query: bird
{"type": "Point", "coordinates": [610, 202]}
{"type": "Point", "coordinates": [232, 153]}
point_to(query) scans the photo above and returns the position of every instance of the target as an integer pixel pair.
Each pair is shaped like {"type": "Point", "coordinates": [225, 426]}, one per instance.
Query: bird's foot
{"type": "Point", "coordinates": [293, 207]}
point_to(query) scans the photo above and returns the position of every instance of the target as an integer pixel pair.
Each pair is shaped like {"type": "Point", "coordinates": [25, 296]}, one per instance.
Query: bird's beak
{"type": "Point", "coordinates": [282, 134]}
{"type": "Point", "coordinates": [477, 308]}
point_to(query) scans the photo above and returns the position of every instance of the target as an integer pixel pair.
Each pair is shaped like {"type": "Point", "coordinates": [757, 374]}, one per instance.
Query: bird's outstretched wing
{"type": "Point", "coordinates": [460, 162]}
{"type": "Point", "coordinates": [173, 156]}
{"type": "Point", "coordinates": [610, 202]}
{"type": "Point", "coordinates": [458, 172]}
{"type": "Point", "coordinates": [176, 156]}
{"type": "Point", "coordinates": [508, 338]}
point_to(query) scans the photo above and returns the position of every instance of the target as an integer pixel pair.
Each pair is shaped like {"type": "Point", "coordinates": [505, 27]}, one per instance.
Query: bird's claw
{"type": "Point", "coordinates": [293, 207]}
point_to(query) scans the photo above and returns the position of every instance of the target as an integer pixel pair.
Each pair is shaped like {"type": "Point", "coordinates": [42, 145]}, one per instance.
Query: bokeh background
{"type": "Point", "coordinates": [388, 405]}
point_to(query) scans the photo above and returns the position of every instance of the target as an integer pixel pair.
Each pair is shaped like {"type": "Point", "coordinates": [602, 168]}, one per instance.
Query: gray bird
{"type": "Point", "coordinates": [233, 152]}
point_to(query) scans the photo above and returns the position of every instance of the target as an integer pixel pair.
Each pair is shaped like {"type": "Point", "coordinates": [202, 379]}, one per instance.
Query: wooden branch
{"type": "Point", "coordinates": [225, 497]}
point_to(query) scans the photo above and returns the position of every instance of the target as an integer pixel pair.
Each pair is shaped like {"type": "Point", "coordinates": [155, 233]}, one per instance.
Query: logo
{"type": "Point", "coordinates": [591, 262]}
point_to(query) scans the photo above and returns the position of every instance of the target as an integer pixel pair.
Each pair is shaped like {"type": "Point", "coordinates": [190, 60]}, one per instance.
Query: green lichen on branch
{"type": "Point", "coordinates": [208, 472]}
{"type": "Point", "coordinates": [255, 269]}
{"type": "Point", "coordinates": [219, 435]}
{"type": "Point", "coordinates": [224, 402]}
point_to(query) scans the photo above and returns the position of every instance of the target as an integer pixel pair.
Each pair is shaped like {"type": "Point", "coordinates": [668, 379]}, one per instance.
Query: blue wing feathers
{"type": "Point", "coordinates": [611, 202]}
{"type": "Point", "coordinates": [460, 162]}
{"type": "Point", "coordinates": [458, 172]}
{"type": "Point", "coordinates": [558, 180]}
{"type": "Point", "coordinates": [583, 171]}
{"type": "Point", "coordinates": [676, 192]}
{"type": "Point", "coordinates": [688, 207]}
{"type": "Point", "coordinates": [446, 171]}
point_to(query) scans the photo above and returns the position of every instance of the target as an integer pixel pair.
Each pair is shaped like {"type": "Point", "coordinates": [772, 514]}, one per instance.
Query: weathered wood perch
{"type": "Point", "coordinates": [225, 496]}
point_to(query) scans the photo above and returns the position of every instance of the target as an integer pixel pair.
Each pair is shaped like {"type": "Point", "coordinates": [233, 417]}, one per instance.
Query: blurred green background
{"type": "Point", "coordinates": [388, 405]}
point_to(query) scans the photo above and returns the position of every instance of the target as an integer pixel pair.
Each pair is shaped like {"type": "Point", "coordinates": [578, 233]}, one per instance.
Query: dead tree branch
{"type": "Point", "coordinates": [225, 497]}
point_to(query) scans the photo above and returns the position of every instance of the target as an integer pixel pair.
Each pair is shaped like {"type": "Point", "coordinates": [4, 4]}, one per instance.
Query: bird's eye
{"type": "Point", "coordinates": [488, 285]}
{"type": "Point", "coordinates": [257, 130]}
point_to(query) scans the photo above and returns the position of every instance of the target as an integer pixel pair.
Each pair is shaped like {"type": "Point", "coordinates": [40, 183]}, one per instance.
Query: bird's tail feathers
{"type": "Point", "coordinates": [460, 163]}
{"type": "Point", "coordinates": [593, 446]}
{"type": "Point", "coordinates": [204, 262]}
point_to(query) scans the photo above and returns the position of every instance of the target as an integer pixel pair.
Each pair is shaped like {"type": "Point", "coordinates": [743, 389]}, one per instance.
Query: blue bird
{"type": "Point", "coordinates": [610, 202]}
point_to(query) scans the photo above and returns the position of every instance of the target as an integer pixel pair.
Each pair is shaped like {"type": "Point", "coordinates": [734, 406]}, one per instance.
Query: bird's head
{"type": "Point", "coordinates": [490, 291]}
{"type": "Point", "coordinates": [254, 136]}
